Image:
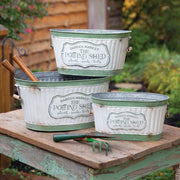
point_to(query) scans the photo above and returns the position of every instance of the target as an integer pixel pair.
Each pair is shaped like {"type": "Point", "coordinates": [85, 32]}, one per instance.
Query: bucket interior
{"type": "Point", "coordinates": [54, 76]}
{"type": "Point", "coordinates": [131, 97]}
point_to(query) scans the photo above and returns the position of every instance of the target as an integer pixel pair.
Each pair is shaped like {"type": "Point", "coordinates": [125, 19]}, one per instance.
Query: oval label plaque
{"type": "Point", "coordinates": [70, 106]}
{"type": "Point", "coordinates": [126, 121]}
{"type": "Point", "coordinates": [85, 54]}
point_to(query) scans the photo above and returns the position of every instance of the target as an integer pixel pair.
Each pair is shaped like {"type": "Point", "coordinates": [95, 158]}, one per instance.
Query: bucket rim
{"type": "Point", "coordinates": [76, 82]}
{"type": "Point", "coordinates": [139, 99]}
{"type": "Point", "coordinates": [91, 33]}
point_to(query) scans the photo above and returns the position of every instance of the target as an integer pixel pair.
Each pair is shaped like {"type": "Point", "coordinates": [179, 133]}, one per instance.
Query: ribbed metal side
{"type": "Point", "coordinates": [117, 49]}
{"type": "Point", "coordinates": [154, 117]}
{"type": "Point", "coordinates": [36, 101]}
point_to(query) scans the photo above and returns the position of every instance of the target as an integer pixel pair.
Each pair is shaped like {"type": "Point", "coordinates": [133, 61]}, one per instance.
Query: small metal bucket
{"type": "Point", "coordinates": [131, 115]}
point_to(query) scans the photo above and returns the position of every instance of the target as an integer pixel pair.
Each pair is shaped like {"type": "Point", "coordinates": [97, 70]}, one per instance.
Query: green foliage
{"type": "Point", "coordinates": [13, 14]}
{"type": "Point", "coordinates": [127, 90]}
{"type": "Point", "coordinates": [140, 41]}
{"type": "Point", "coordinates": [125, 75]}
{"type": "Point", "coordinates": [166, 174]}
{"type": "Point", "coordinates": [13, 172]}
{"type": "Point", "coordinates": [159, 19]}
{"type": "Point", "coordinates": [160, 71]}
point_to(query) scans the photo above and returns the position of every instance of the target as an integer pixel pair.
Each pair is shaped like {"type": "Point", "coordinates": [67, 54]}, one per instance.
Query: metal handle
{"type": "Point", "coordinates": [129, 48]}
{"type": "Point", "coordinates": [51, 42]}
{"type": "Point", "coordinates": [15, 96]}
{"type": "Point", "coordinates": [62, 137]}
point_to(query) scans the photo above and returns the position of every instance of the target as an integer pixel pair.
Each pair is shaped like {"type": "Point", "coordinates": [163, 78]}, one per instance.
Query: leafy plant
{"type": "Point", "coordinates": [12, 172]}
{"type": "Point", "coordinates": [127, 90]}
{"type": "Point", "coordinates": [140, 41]}
{"type": "Point", "coordinates": [13, 14]}
{"type": "Point", "coordinates": [160, 71]}
{"type": "Point", "coordinates": [125, 75]}
{"type": "Point", "coordinates": [159, 19]}
{"type": "Point", "coordinates": [165, 174]}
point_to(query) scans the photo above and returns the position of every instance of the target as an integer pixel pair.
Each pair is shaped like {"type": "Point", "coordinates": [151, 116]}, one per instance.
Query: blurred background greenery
{"type": "Point", "coordinates": [155, 58]}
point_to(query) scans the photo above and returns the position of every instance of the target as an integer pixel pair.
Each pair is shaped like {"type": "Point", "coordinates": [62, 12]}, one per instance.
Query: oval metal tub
{"type": "Point", "coordinates": [90, 52]}
{"type": "Point", "coordinates": [132, 115]}
{"type": "Point", "coordinates": [57, 102]}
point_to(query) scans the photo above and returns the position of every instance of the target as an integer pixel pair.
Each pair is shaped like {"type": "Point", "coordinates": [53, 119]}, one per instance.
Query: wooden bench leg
{"type": "Point", "coordinates": [177, 172]}
{"type": "Point", "coordinates": [5, 161]}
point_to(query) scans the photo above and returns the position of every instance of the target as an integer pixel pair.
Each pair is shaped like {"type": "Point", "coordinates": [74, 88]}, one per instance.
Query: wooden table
{"type": "Point", "coordinates": [74, 160]}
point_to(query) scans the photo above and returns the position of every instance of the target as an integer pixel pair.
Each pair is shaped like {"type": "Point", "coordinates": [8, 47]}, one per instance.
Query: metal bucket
{"type": "Point", "coordinates": [57, 102]}
{"type": "Point", "coordinates": [90, 52]}
{"type": "Point", "coordinates": [133, 116]}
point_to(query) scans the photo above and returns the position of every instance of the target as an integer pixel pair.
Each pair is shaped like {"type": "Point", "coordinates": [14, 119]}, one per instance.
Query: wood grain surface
{"type": "Point", "coordinates": [12, 124]}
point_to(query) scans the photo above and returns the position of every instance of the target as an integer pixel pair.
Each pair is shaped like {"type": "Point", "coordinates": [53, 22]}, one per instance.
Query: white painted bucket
{"type": "Point", "coordinates": [90, 52]}
{"type": "Point", "coordinates": [131, 115]}
{"type": "Point", "coordinates": [57, 102]}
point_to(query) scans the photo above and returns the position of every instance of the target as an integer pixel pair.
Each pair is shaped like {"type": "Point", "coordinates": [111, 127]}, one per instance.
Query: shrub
{"type": "Point", "coordinates": [13, 14]}
{"type": "Point", "coordinates": [160, 71]}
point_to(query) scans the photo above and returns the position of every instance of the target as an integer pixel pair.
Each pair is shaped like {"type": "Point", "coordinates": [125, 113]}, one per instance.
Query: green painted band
{"type": "Point", "coordinates": [62, 83]}
{"type": "Point", "coordinates": [60, 127]}
{"type": "Point", "coordinates": [86, 35]}
{"type": "Point", "coordinates": [134, 137]}
{"type": "Point", "coordinates": [93, 73]}
{"type": "Point", "coordinates": [129, 103]}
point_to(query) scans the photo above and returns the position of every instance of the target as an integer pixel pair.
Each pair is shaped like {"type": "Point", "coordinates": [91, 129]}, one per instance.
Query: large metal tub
{"type": "Point", "coordinates": [57, 102]}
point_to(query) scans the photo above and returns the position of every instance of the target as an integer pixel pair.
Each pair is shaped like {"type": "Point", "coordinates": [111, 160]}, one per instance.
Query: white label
{"type": "Point", "coordinates": [126, 121]}
{"type": "Point", "coordinates": [71, 106]}
{"type": "Point", "coordinates": [85, 54]}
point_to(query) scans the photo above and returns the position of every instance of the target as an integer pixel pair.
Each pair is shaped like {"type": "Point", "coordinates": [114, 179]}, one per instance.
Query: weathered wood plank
{"type": "Point", "coordinates": [49, 65]}
{"type": "Point", "coordinates": [44, 34]}
{"type": "Point", "coordinates": [63, 14]}
{"type": "Point", "coordinates": [5, 161]}
{"type": "Point", "coordinates": [66, 8]}
{"type": "Point", "coordinates": [122, 151]}
{"type": "Point", "coordinates": [76, 151]}
{"type": "Point", "coordinates": [38, 58]}
{"type": "Point", "coordinates": [5, 99]}
{"type": "Point", "coordinates": [141, 167]}
{"type": "Point", "coordinates": [59, 20]}
{"type": "Point", "coordinates": [63, 168]}
{"type": "Point", "coordinates": [3, 31]}
{"type": "Point", "coordinates": [45, 161]}
{"type": "Point", "coordinates": [35, 47]}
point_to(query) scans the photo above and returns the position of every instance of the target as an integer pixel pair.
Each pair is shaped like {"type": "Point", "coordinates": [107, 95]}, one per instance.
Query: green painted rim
{"type": "Point", "coordinates": [83, 34]}
{"type": "Point", "coordinates": [94, 73]}
{"type": "Point", "coordinates": [60, 127]}
{"type": "Point", "coordinates": [62, 83]}
{"type": "Point", "coordinates": [134, 137]}
{"type": "Point", "coordinates": [129, 104]}
{"type": "Point", "coordinates": [104, 100]}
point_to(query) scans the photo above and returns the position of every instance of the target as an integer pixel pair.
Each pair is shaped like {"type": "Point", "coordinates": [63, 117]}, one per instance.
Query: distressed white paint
{"type": "Point", "coordinates": [111, 53]}
{"type": "Point", "coordinates": [129, 120]}
{"type": "Point", "coordinates": [39, 104]}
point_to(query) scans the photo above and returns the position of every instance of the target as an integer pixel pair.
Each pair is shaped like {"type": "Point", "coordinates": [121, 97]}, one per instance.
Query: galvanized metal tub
{"type": "Point", "coordinates": [90, 52]}
{"type": "Point", "coordinates": [131, 115]}
{"type": "Point", "coordinates": [57, 102]}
